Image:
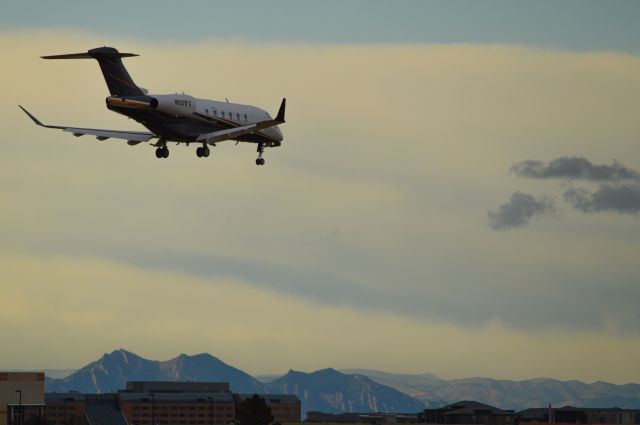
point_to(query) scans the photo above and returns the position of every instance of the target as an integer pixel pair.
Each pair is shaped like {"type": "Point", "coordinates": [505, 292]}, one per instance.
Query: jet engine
{"type": "Point", "coordinates": [174, 104]}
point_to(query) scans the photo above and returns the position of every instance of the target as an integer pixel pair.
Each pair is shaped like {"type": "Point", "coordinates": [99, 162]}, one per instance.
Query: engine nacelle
{"type": "Point", "coordinates": [174, 104]}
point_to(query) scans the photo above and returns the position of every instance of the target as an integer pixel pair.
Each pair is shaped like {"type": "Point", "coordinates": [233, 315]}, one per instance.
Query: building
{"type": "Point", "coordinates": [65, 408]}
{"type": "Point", "coordinates": [161, 403]}
{"type": "Point", "coordinates": [177, 403]}
{"type": "Point", "coordinates": [284, 407]}
{"type": "Point", "coordinates": [177, 408]}
{"type": "Point", "coordinates": [21, 397]}
{"type": "Point", "coordinates": [579, 415]}
{"type": "Point", "coordinates": [469, 412]}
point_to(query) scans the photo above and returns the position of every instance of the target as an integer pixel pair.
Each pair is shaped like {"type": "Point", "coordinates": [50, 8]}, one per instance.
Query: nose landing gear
{"type": "Point", "coordinates": [260, 159]}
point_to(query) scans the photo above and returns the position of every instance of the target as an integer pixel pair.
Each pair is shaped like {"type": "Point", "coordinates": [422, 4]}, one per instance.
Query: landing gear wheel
{"type": "Point", "coordinates": [165, 152]}
{"type": "Point", "coordinates": [159, 153]}
{"type": "Point", "coordinates": [260, 160]}
{"type": "Point", "coordinates": [205, 152]}
{"type": "Point", "coordinates": [199, 152]}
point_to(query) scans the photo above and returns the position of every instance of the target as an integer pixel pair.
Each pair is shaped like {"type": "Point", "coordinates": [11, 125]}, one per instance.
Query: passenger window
{"type": "Point", "coordinates": [215, 112]}
{"type": "Point", "coordinates": [206, 111]}
{"type": "Point", "coordinates": [222, 114]}
{"type": "Point", "coordinates": [245, 117]}
{"type": "Point", "coordinates": [238, 117]}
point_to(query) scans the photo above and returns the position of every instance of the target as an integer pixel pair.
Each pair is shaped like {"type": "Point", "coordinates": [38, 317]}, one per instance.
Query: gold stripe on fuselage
{"type": "Point", "coordinates": [125, 102]}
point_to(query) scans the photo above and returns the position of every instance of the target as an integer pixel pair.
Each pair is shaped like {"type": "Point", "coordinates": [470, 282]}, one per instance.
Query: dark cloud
{"type": "Point", "coordinates": [624, 199]}
{"type": "Point", "coordinates": [574, 168]}
{"type": "Point", "coordinates": [520, 209]}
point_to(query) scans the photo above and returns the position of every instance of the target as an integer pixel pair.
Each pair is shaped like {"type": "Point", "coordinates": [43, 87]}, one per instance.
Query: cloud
{"type": "Point", "coordinates": [623, 199]}
{"type": "Point", "coordinates": [573, 168]}
{"type": "Point", "coordinates": [59, 300]}
{"type": "Point", "coordinates": [520, 209]}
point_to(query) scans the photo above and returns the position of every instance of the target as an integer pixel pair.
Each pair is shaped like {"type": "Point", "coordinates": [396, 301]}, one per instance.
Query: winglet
{"type": "Point", "coordinates": [280, 116]}
{"type": "Point", "coordinates": [35, 120]}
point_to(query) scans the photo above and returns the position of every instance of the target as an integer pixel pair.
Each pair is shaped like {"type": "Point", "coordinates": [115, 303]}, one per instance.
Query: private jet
{"type": "Point", "coordinates": [177, 118]}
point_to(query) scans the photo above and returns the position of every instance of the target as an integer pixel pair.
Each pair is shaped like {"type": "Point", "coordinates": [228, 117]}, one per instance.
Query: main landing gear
{"type": "Point", "coordinates": [203, 151]}
{"type": "Point", "coordinates": [162, 152]}
{"type": "Point", "coordinates": [260, 159]}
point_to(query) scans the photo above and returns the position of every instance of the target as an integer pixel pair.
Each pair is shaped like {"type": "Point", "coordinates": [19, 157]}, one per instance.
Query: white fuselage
{"type": "Point", "coordinates": [234, 114]}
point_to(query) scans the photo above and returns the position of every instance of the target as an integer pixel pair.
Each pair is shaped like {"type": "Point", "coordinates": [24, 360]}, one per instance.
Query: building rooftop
{"type": "Point", "coordinates": [470, 407]}
{"type": "Point", "coordinates": [274, 398]}
{"type": "Point", "coordinates": [176, 397]}
{"type": "Point", "coordinates": [61, 397]}
{"type": "Point", "coordinates": [176, 387]}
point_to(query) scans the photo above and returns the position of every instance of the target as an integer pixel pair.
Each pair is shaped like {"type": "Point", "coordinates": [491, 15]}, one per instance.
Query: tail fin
{"type": "Point", "coordinates": [115, 74]}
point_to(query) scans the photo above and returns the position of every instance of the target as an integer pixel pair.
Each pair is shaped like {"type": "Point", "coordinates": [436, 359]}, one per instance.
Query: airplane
{"type": "Point", "coordinates": [178, 118]}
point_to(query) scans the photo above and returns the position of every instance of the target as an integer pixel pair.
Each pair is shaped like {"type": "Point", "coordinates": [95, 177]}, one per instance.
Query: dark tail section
{"type": "Point", "coordinates": [115, 74]}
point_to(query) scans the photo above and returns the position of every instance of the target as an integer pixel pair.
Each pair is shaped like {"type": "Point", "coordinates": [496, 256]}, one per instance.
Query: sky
{"type": "Point", "coordinates": [458, 191]}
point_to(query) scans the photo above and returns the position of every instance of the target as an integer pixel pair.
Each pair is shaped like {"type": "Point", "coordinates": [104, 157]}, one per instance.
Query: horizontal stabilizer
{"type": "Point", "coordinates": [87, 56]}
{"type": "Point", "coordinates": [115, 74]}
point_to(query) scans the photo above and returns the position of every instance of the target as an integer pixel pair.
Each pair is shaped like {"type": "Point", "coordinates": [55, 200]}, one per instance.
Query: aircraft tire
{"type": "Point", "coordinates": [159, 153]}
{"type": "Point", "coordinates": [199, 152]}
{"type": "Point", "coordinates": [165, 152]}
{"type": "Point", "coordinates": [206, 152]}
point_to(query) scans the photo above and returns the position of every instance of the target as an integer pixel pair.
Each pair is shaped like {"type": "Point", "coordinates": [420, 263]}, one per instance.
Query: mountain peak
{"type": "Point", "coordinates": [329, 390]}
{"type": "Point", "coordinates": [111, 372]}
{"type": "Point", "coordinates": [327, 372]}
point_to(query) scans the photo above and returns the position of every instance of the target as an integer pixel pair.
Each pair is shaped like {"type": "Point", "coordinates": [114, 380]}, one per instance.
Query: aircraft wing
{"type": "Point", "coordinates": [233, 133]}
{"type": "Point", "coordinates": [132, 137]}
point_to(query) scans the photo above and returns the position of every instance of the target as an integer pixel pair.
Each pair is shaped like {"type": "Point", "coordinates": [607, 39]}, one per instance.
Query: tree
{"type": "Point", "coordinates": [254, 411]}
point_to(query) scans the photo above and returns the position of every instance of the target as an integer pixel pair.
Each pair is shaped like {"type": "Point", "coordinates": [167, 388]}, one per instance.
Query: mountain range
{"type": "Point", "coordinates": [325, 390]}
{"type": "Point", "coordinates": [350, 390]}
{"type": "Point", "coordinates": [434, 391]}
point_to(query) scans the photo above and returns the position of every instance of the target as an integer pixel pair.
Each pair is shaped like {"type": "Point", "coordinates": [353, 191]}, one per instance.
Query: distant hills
{"type": "Point", "coordinates": [517, 395]}
{"type": "Point", "coordinates": [328, 390]}
{"type": "Point", "coordinates": [351, 390]}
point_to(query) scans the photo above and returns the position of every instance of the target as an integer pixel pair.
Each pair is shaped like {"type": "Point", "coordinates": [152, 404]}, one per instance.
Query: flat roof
{"type": "Point", "coordinates": [26, 404]}
{"type": "Point", "coordinates": [274, 398]}
{"type": "Point", "coordinates": [22, 376]}
{"type": "Point", "coordinates": [61, 397]}
{"type": "Point", "coordinates": [180, 397]}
